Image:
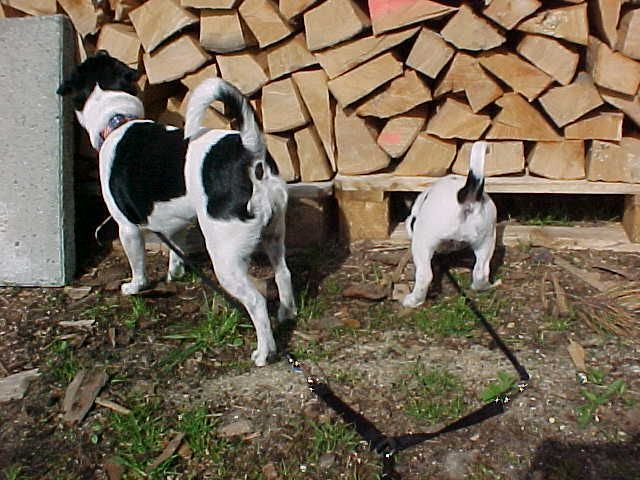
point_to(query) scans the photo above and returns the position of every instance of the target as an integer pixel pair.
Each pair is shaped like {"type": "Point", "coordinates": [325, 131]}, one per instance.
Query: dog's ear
{"type": "Point", "coordinates": [66, 87]}
{"type": "Point", "coordinates": [102, 53]}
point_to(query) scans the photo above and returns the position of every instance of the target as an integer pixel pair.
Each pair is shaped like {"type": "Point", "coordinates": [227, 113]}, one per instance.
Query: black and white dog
{"type": "Point", "coordinates": [159, 178]}
{"type": "Point", "coordinates": [452, 214]}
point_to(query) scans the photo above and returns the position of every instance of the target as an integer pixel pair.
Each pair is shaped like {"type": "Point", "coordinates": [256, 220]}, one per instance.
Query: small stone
{"type": "Point", "coordinates": [541, 255]}
{"type": "Point", "coordinates": [326, 461]}
{"type": "Point", "coordinates": [552, 419]}
{"type": "Point", "coordinates": [241, 427]}
{"type": "Point", "coordinates": [76, 293]}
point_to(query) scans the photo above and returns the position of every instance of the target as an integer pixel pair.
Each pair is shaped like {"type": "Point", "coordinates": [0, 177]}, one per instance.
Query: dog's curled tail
{"type": "Point", "coordinates": [213, 89]}
{"type": "Point", "coordinates": [474, 187]}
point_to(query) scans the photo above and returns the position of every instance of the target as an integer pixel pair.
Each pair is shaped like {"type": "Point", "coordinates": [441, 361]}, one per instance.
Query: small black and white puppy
{"type": "Point", "coordinates": [159, 178]}
{"type": "Point", "coordinates": [450, 215]}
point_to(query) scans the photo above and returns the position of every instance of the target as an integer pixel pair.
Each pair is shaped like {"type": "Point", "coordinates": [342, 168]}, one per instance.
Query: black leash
{"type": "Point", "coordinates": [388, 446]}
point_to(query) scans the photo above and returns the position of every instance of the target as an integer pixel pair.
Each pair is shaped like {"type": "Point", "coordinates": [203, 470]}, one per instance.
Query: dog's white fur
{"type": "Point", "coordinates": [229, 242]}
{"type": "Point", "coordinates": [438, 221]}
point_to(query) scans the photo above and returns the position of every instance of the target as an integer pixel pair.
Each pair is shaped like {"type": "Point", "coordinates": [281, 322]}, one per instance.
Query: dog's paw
{"type": "Point", "coordinates": [410, 301]}
{"type": "Point", "coordinates": [131, 288]}
{"type": "Point", "coordinates": [481, 285]}
{"type": "Point", "coordinates": [176, 273]}
{"type": "Point", "coordinates": [286, 312]}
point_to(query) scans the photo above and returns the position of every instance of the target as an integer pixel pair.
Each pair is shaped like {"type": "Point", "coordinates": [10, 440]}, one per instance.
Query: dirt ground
{"type": "Point", "coordinates": [177, 358]}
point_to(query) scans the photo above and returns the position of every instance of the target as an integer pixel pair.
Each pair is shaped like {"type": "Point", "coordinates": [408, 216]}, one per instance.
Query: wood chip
{"type": "Point", "coordinates": [103, 402]}
{"type": "Point", "coordinates": [577, 355]}
{"type": "Point", "coordinates": [14, 386]}
{"type": "Point", "coordinates": [76, 293]}
{"type": "Point", "coordinates": [77, 323]}
{"type": "Point", "coordinates": [81, 394]}
{"type": "Point", "coordinates": [168, 451]}
{"type": "Point", "coordinates": [591, 278]}
{"type": "Point", "coordinates": [561, 307]}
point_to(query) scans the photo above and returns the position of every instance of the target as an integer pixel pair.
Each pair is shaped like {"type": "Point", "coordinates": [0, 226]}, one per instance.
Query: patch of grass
{"type": "Point", "coordinates": [330, 437]}
{"type": "Point", "coordinates": [199, 427]}
{"type": "Point", "coordinates": [63, 362]}
{"type": "Point", "coordinates": [588, 412]}
{"type": "Point", "coordinates": [99, 311]}
{"type": "Point", "coordinates": [437, 397]}
{"type": "Point", "coordinates": [480, 471]}
{"type": "Point", "coordinates": [556, 219]}
{"type": "Point", "coordinates": [331, 286]}
{"type": "Point", "coordinates": [502, 385]}
{"type": "Point", "coordinates": [310, 351]}
{"type": "Point", "coordinates": [139, 309]}
{"type": "Point", "coordinates": [309, 307]}
{"type": "Point", "coordinates": [14, 472]}
{"type": "Point", "coordinates": [378, 315]}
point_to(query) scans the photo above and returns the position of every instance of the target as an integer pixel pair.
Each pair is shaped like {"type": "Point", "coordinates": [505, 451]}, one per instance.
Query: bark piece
{"type": "Point", "coordinates": [629, 104]}
{"type": "Point", "coordinates": [292, 8]}
{"type": "Point", "coordinates": [243, 70]}
{"type": "Point", "coordinates": [629, 34]}
{"type": "Point", "coordinates": [551, 56]}
{"type": "Point", "coordinates": [357, 150]}
{"type": "Point", "coordinates": [430, 53]}
{"type": "Point", "coordinates": [166, 454]}
{"type": "Point", "coordinates": [314, 165]}
{"type": "Point", "coordinates": [83, 14]}
{"type": "Point", "coordinates": [174, 60]}
{"type": "Point", "coordinates": [13, 387]}
{"type": "Point", "coordinates": [81, 394]}
{"type": "Point", "coordinates": [558, 160]}
{"type": "Point", "coordinates": [611, 69]}
{"type": "Point", "coordinates": [614, 162]}
{"type": "Point", "coordinates": [503, 158]}
{"type": "Point", "coordinates": [283, 151]}
{"type": "Point", "coordinates": [391, 14]}
{"type": "Point", "coordinates": [332, 22]}
{"type": "Point", "coordinates": [192, 80]}
{"type": "Point", "coordinates": [429, 156]}
{"type": "Point", "coordinates": [605, 14]}
{"type": "Point", "coordinates": [121, 42]}
{"type": "Point", "coordinates": [520, 75]}
{"type": "Point", "coordinates": [222, 31]}
{"type": "Point", "coordinates": [282, 107]}
{"type": "Point", "coordinates": [342, 58]}
{"type": "Point", "coordinates": [400, 131]}
{"type": "Point", "coordinates": [263, 18]}
{"type": "Point", "coordinates": [569, 23]}
{"type": "Point", "coordinates": [518, 120]}
{"type": "Point", "coordinates": [364, 79]}
{"type": "Point", "coordinates": [156, 20]}
{"type": "Point", "coordinates": [401, 95]}
{"type": "Point", "coordinates": [290, 56]}
{"type": "Point", "coordinates": [454, 119]}
{"type": "Point", "coordinates": [568, 103]}
{"type": "Point", "coordinates": [601, 126]}
{"type": "Point", "coordinates": [312, 85]}
{"type": "Point", "coordinates": [468, 31]}
{"type": "Point", "coordinates": [508, 13]}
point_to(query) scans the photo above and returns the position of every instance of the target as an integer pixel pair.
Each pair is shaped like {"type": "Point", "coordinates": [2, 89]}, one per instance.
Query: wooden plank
{"type": "Point", "coordinates": [401, 95]}
{"type": "Point", "coordinates": [568, 103]}
{"type": "Point", "coordinates": [174, 60]}
{"type": "Point", "coordinates": [152, 28]}
{"type": "Point", "coordinates": [613, 162]}
{"type": "Point", "coordinates": [518, 120]}
{"type": "Point", "coordinates": [314, 165]}
{"type": "Point", "coordinates": [243, 70]}
{"type": "Point", "coordinates": [332, 22]}
{"type": "Point", "coordinates": [556, 59]}
{"type": "Point", "coordinates": [283, 151]}
{"type": "Point", "coordinates": [569, 23]}
{"type": "Point", "coordinates": [468, 31]}
{"type": "Point", "coordinates": [365, 78]}
{"type": "Point", "coordinates": [83, 14]}
{"type": "Point", "coordinates": [392, 14]}
{"type": "Point", "coordinates": [519, 74]}
{"type": "Point", "coordinates": [454, 119]}
{"type": "Point", "coordinates": [611, 69]}
{"type": "Point", "coordinates": [263, 19]}
{"type": "Point", "coordinates": [508, 13]}
{"type": "Point", "coordinates": [400, 131]}
{"type": "Point", "coordinates": [503, 158]}
{"type": "Point", "coordinates": [121, 42]}
{"type": "Point", "coordinates": [357, 150]}
{"type": "Point", "coordinates": [282, 107]}
{"type": "Point", "coordinates": [430, 53]}
{"type": "Point", "coordinates": [600, 126]}
{"type": "Point", "coordinates": [428, 156]}
{"type": "Point", "coordinates": [342, 58]}
{"type": "Point", "coordinates": [605, 15]}
{"type": "Point", "coordinates": [558, 160]}
{"type": "Point", "coordinates": [222, 31]}
{"type": "Point", "coordinates": [629, 34]}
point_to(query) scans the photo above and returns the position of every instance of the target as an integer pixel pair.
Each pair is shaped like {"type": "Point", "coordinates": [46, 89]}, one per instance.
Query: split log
{"type": "Point", "coordinates": [605, 14]}
{"type": "Point", "coordinates": [600, 126]}
{"type": "Point", "coordinates": [192, 80]}
{"type": "Point", "coordinates": [551, 56]}
{"type": "Point", "coordinates": [121, 42]}
{"type": "Point", "coordinates": [365, 78]}
{"type": "Point", "coordinates": [33, 7]}
{"type": "Point", "coordinates": [468, 31]}
{"type": "Point", "coordinates": [454, 119]}
{"type": "Point", "coordinates": [568, 103]}
{"type": "Point", "coordinates": [312, 85]}
{"type": "Point", "coordinates": [357, 150]}
{"type": "Point", "coordinates": [332, 22]}
{"type": "Point", "coordinates": [244, 70]}
{"type": "Point", "coordinates": [401, 95]}
{"type": "Point", "coordinates": [222, 31]}
{"type": "Point", "coordinates": [212, 117]}
{"type": "Point", "coordinates": [508, 13]}
{"type": "Point", "coordinates": [520, 75]}
{"type": "Point", "coordinates": [400, 131]}
{"type": "Point", "coordinates": [342, 58]}
{"type": "Point", "coordinates": [364, 214]}
{"type": "Point", "coordinates": [210, 4]}
{"type": "Point", "coordinates": [570, 23]}
{"type": "Point", "coordinates": [391, 14]}
{"type": "Point", "coordinates": [429, 156]}
{"type": "Point", "coordinates": [282, 107]}
{"type": "Point", "coordinates": [314, 165]}
{"type": "Point", "coordinates": [174, 60]}
{"type": "Point", "coordinates": [83, 14]}
{"type": "Point", "coordinates": [518, 120]}
{"type": "Point", "coordinates": [292, 8]}
{"type": "Point", "coordinates": [283, 151]}
{"type": "Point", "coordinates": [629, 34]}
{"type": "Point", "coordinates": [503, 158]}
{"type": "Point", "coordinates": [614, 162]}
{"type": "Point", "coordinates": [121, 8]}
{"type": "Point", "coordinates": [156, 20]}
{"type": "Point", "coordinates": [263, 19]}
{"type": "Point", "coordinates": [558, 160]}
{"type": "Point", "coordinates": [611, 69]}
{"type": "Point", "coordinates": [289, 56]}
{"type": "Point", "coordinates": [630, 105]}
{"type": "Point", "coordinates": [430, 53]}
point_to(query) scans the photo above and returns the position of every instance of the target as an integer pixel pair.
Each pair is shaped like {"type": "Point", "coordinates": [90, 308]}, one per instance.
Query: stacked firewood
{"type": "Point", "coordinates": [399, 86]}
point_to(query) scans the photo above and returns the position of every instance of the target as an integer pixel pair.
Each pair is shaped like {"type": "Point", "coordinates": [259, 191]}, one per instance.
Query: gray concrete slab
{"type": "Point", "coordinates": [36, 152]}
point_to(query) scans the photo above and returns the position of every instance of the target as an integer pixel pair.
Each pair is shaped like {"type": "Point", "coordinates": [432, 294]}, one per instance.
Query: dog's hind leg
{"type": "Point", "coordinates": [422, 255]}
{"type": "Point", "coordinates": [176, 267]}
{"type": "Point", "coordinates": [273, 243]}
{"type": "Point", "coordinates": [483, 254]}
{"type": "Point", "coordinates": [132, 241]}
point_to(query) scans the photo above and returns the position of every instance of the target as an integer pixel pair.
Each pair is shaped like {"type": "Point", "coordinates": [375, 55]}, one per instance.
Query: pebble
{"type": "Point", "coordinates": [552, 419]}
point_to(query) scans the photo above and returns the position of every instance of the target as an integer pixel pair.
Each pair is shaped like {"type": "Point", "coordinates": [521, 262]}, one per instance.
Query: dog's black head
{"type": "Point", "coordinates": [102, 69]}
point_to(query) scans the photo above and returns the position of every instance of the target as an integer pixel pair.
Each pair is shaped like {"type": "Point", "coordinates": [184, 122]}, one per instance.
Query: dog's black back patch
{"type": "Point", "coordinates": [226, 180]}
{"type": "Point", "coordinates": [148, 167]}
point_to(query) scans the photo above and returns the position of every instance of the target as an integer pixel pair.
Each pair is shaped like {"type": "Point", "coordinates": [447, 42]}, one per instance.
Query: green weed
{"type": "Point", "coordinates": [588, 412]}
{"type": "Point", "coordinates": [199, 427]}
{"type": "Point", "coordinates": [99, 311]}
{"type": "Point", "coordinates": [329, 437]}
{"type": "Point", "coordinates": [139, 309]}
{"type": "Point", "coordinates": [309, 307]}
{"type": "Point", "coordinates": [63, 362]}
{"type": "Point", "coordinates": [14, 472]}
{"type": "Point", "coordinates": [502, 385]}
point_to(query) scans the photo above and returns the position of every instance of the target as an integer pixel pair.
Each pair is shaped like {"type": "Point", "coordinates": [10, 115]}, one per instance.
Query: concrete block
{"type": "Point", "coordinates": [36, 186]}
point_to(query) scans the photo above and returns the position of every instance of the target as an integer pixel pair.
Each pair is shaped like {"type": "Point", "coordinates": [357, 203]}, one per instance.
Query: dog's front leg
{"type": "Point", "coordinates": [422, 260]}
{"type": "Point", "coordinates": [483, 254]}
{"type": "Point", "coordinates": [132, 241]}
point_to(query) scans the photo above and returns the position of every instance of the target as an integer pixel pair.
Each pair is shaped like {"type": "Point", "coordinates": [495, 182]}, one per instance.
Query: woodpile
{"type": "Point", "coordinates": [403, 87]}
